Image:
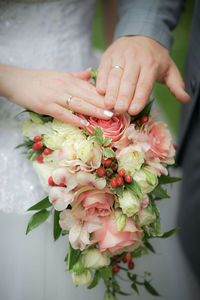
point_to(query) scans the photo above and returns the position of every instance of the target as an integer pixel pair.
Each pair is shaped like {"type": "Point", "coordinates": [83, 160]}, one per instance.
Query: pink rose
{"type": "Point", "coordinates": [90, 202]}
{"type": "Point", "coordinates": [113, 242]}
{"type": "Point", "coordinates": [113, 128]}
{"type": "Point", "coordinates": [160, 140]}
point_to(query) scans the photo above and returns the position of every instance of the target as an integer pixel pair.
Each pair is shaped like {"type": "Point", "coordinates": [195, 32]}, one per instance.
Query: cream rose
{"type": "Point", "coordinates": [146, 217]}
{"type": "Point", "coordinates": [93, 258]}
{"type": "Point", "coordinates": [82, 279]}
{"type": "Point", "coordinates": [129, 203]}
{"type": "Point", "coordinates": [131, 161]}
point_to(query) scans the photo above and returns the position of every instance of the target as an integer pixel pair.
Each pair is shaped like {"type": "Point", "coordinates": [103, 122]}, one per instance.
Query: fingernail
{"type": "Point", "coordinates": [134, 107]}
{"type": "Point", "coordinates": [85, 123]}
{"type": "Point", "coordinates": [108, 113]}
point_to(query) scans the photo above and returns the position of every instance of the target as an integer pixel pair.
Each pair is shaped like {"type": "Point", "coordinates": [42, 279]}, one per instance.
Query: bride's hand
{"type": "Point", "coordinates": [46, 92]}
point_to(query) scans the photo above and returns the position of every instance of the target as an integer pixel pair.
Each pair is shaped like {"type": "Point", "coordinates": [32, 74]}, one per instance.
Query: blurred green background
{"type": "Point", "coordinates": [168, 104]}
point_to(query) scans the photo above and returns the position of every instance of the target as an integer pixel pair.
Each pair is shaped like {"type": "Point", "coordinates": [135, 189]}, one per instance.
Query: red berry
{"type": "Point", "coordinates": [50, 181]}
{"type": "Point", "coordinates": [128, 178]}
{"type": "Point", "coordinates": [121, 172]}
{"type": "Point", "coordinates": [134, 123]}
{"type": "Point", "coordinates": [37, 146]}
{"type": "Point", "coordinates": [116, 269]}
{"type": "Point", "coordinates": [47, 151]}
{"type": "Point", "coordinates": [144, 119]}
{"type": "Point", "coordinates": [175, 147]}
{"type": "Point", "coordinates": [101, 172]}
{"type": "Point", "coordinates": [128, 256]}
{"type": "Point", "coordinates": [125, 260]}
{"type": "Point", "coordinates": [107, 162]}
{"type": "Point", "coordinates": [115, 167]}
{"type": "Point", "coordinates": [120, 180]}
{"type": "Point", "coordinates": [40, 159]}
{"type": "Point", "coordinates": [131, 265]}
{"type": "Point", "coordinates": [113, 182]}
{"type": "Point", "coordinates": [37, 138]}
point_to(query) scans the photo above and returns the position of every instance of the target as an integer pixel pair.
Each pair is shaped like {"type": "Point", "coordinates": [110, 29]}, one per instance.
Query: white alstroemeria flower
{"type": "Point", "coordinates": [60, 197]}
{"type": "Point", "coordinates": [62, 176]}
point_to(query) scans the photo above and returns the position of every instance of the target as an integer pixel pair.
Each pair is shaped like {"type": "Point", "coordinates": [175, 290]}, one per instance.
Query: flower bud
{"type": "Point", "coordinates": [121, 222]}
{"type": "Point", "coordinates": [82, 279]}
{"type": "Point", "coordinates": [129, 203]}
{"type": "Point", "coordinates": [93, 258]}
{"type": "Point", "coordinates": [147, 180]}
{"type": "Point", "coordinates": [146, 217]}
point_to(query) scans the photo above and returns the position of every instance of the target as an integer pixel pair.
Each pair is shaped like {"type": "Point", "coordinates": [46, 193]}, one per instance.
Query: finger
{"type": "Point", "coordinates": [102, 77]}
{"type": "Point", "coordinates": [143, 90]}
{"type": "Point", "coordinates": [176, 85]}
{"type": "Point", "coordinates": [127, 87]}
{"type": "Point", "coordinates": [78, 105]}
{"type": "Point", "coordinates": [84, 75]}
{"type": "Point", "coordinates": [66, 116]}
{"type": "Point", "coordinates": [82, 89]}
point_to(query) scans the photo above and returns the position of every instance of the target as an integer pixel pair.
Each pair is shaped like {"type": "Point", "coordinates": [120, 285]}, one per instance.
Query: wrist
{"type": "Point", "coordinates": [7, 75]}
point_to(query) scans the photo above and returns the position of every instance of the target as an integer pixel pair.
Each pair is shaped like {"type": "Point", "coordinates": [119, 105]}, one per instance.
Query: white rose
{"type": "Point", "coordinates": [131, 161]}
{"type": "Point", "coordinates": [147, 180]}
{"type": "Point", "coordinates": [129, 203]}
{"type": "Point", "coordinates": [82, 279]}
{"type": "Point", "coordinates": [146, 217]}
{"type": "Point", "coordinates": [84, 151]}
{"type": "Point", "coordinates": [93, 258]}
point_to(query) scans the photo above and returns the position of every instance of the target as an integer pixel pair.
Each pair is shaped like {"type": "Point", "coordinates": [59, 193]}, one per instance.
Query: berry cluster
{"type": "Point", "coordinates": [109, 170]}
{"type": "Point", "coordinates": [52, 183]}
{"type": "Point", "coordinates": [140, 121]}
{"type": "Point", "coordinates": [126, 259]}
{"type": "Point", "coordinates": [38, 146]}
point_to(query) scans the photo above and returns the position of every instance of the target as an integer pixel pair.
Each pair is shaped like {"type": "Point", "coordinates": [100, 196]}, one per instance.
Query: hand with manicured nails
{"type": "Point", "coordinates": [46, 92]}
{"type": "Point", "coordinates": [142, 62]}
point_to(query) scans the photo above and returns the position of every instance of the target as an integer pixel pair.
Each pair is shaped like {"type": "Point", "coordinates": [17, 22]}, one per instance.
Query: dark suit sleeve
{"type": "Point", "coordinates": [152, 18]}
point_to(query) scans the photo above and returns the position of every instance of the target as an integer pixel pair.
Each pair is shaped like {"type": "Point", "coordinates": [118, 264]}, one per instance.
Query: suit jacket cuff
{"type": "Point", "coordinates": [158, 31]}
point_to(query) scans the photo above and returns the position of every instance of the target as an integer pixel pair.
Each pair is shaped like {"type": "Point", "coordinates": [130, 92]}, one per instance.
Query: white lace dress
{"type": "Point", "coordinates": [35, 34]}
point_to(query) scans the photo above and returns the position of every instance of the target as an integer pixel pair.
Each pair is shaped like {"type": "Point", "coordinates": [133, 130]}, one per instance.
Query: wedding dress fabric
{"type": "Point", "coordinates": [51, 35]}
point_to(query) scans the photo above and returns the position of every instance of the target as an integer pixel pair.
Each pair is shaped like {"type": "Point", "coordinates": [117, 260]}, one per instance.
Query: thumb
{"type": "Point", "coordinates": [176, 84]}
{"type": "Point", "coordinates": [84, 75]}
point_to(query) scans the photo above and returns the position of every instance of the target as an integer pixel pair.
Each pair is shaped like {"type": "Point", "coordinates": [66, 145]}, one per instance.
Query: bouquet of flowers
{"type": "Point", "coordinates": [102, 185]}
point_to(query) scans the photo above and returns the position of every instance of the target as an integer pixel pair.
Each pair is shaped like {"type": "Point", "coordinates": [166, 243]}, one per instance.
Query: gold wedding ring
{"type": "Point", "coordinates": [117, 67]}
{"type": "Point", "coordinates": [68, 101]}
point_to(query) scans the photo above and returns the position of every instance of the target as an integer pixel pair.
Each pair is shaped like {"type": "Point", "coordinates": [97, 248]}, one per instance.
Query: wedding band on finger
{"type": "Point", "coordinates": [68, 101]}
{"type": "Point", "coordinates": [118, 67]}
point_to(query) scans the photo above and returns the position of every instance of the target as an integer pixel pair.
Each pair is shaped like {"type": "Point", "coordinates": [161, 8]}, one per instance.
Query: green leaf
{"type": "Point", "coordinates": [41, 205]}
{"type": "Point", "coordinates": [160, 193]}
{"type": "Point", "coordinates": [37, 219]}
{"type": "Point", "coordinates": [149, 246]}
{"type": "Point", "coordinates": [36, 118]}
{"type": "Point", "coordinates": [169, 233]}
{"type": "Point", "coordinates": [168, 179]}
{"type": "Point", "coordinates": [65, 232]}
{"type": "Point", "coordinates": [107, 141]}
{"type": "Point", "coordinates": [72, 258]}
{"type": "Point", "coordinates": [108, 152]}
{"type": "Point", "coordinates": [95, 280]}
{"type": "Point", "coordinates": [146, 111]}
{"type": "Point", "coordinates": [123, 293]}
{"type": "Point", "coordinates": [56, 226]}
{"type": "Point", "coordinates": [98, 133]}
{"type": "Point", "coordinates": [150, 288]}
{"type": "Point", "coordinates": [134, 187]}
{"type": "Point", "coordinates": [139, 252]}
{"type": "Point", "coordinates": [119, 190]}
{"type": "Point", "coordinates": [132, 277]}
{"type": "Point", "coordinates": [94, 75]}
{"type": "Point", "coordinates": [106, 272]}
{"type": "Point", "coordinates": [135, 288]}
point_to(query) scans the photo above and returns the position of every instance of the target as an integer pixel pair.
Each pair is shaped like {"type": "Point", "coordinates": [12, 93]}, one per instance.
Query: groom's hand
{"type": "Point", "coordinates": [129, 69]}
